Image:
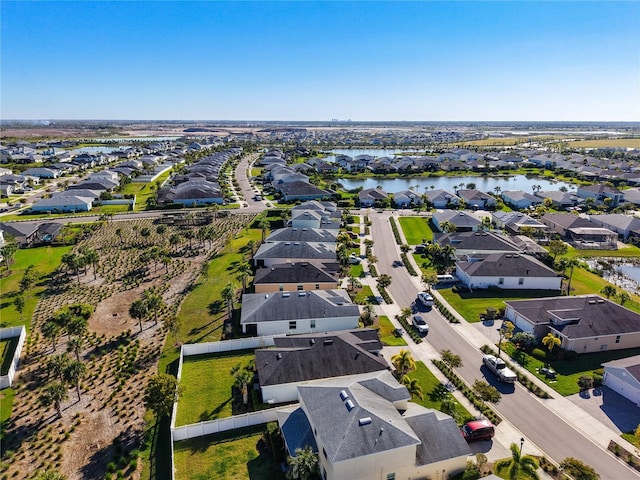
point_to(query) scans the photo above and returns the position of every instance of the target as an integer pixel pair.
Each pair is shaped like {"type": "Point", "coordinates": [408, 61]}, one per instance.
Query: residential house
{"type": "Point", "coordinates": [559, 200]}
{"type": "Point", "coordinates": [301, 190]}
{"type": "Point", "coordinates": [293, 277]}
{"type": "Point", "coordinates": [298, 312]}
{"type": "Point", "coordinates": [193, 192]}
{"type": "Point", "coordinates": [439, 198]}
{"type": "Point", "coordinates": [476, 198]}
{"type": "Point", "coordinates": [623, 377]}
{"type": "Point", "coordinates": [520, 199]}
{"type": "Point", "coordinates": [599, 193]}
{"type": "Point", "coordinates": [514, 222]}
{"type": "Point", "coordinates": [372, 197]}
{"type": "Point", "coordinates": [584, 324]}
{"type": "Point", "coordinates": [624, 225]}
{"type": "Point", "coordinates": [295, 360]}
{"type": "Point", "coordinates": [270, 254]}
{"type": "Point", "coordinates": [507, 271]}
{"type": "Point", "coordinates": [473, 243]}
{"type": "Point", "coordinates": [407, 198]}
{"type": "Point", "coordinates": [294, 234]}
{"type": "Point", "coordinates": [67, 201]}
{"type": "Point", "coordinates": [322, 215]}
{"type": "Point", "coordinates": [367, 429]}
{"type": "Point", "coordinates": [463, 221]}
{"type": "Point", "coordinates": [42, 172]}
{"type": "Point", "coordinates": [25, 234]}
{"type": "Point", "coordinates": [581, 232]}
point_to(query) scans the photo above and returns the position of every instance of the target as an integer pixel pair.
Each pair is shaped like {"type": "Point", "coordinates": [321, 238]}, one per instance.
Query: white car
{"type": "Point", "coordinates": [420, 324]}
{"type": "Point", "coordinates": [425, 299]}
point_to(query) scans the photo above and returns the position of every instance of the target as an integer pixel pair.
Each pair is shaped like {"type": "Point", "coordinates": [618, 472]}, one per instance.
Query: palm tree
{"type": "Point", "coordinates": [154, 302]}
{"type": "Point", "coordinates": [73, 373]}
{"type": "Point", "coordinates": [404, 363]}
{"type": "Point", "coordinates": [550, 341]}
{"type": "Point", "coordinates": [92, 258]}
{"type": "Point", "coordinates": [173, 325]}
{"type": "Point", "coordinates": [263, 225]}
{"type": "Point", "coordinates": [50, 330]}
{"type": "Point", "coordinates": [384, 280]}
{"type": "Point", "coordinates": [242, 377]}
{"type": "Point", "coordinates": [75, 345]}
{"type": "Point", "coordinates": [353, 282]}
{"type": "Point", "coordinates": [55, 393]}
{"type": "Point", "coordinates": [413, 385]}
{"type": "Point", "coordinates": [119, 235]}
{"type": "Point", "coordinates": [251, 244]}
{"type": "Point", "coordinates": [57, 364]}
{"type": "Point", "coordinates": [19, 303]}
{"type": "Point", "coordinates": [609, 291]}
{"type": "Point", "coordinates": [138, 310]}
{"type": "Point", "coordinates": [518, 467]}
{"type": "Point", "coordinates": [73, 262]}
{"type": "Point", "coordinates": [228, 293]}
{"type": "Point", "coordinates": [447, 227]}
{"type": "Point", "coordinates": [623, 297]}
{"type": "Point", "coordinates": [304, 465]}
{"type": "Point", "coordinates": [244, 273]}
{"type": "Point", "coordinates": [572, 264]}
{"type": "Point", "coordinates": [368, 314]}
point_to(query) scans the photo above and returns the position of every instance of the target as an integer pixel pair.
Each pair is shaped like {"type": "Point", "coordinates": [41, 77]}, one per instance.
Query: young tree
{"type": "Point", "coordinates": [384, 280]}
{"type": "Point", "coordinates": [413, 385]}
{"type": "Point", "coordinates": [368, 314]}
{"type": "Point", "coordinates": [50, 475]}
{"type": "Point", "coordinates": [161, 393]}
{"type": "Point", "coordinates": [486, 392]}
{"type": "Point", "coordinates": [72, 262]}
{"type": "Point", "coordinates": [154, 302]}
{"type": "Point", "coordinates": [92, 258]}
{"type": "Point", "coordinates": [55, 393]}
{"type": "Point", "coordinates": [19, 303]}
{"type": "Point", "coordinates": [242, 377]}
{"type": "Point", "coordinates": [56, 366]}
{"type": "Point", "coordinates": [403, 362]}
{"type": "Point", "coordinates": [228, 293]}
{"type": "Point", "coordinates": [609, 291]}
{"type": "Point", "coordinates": [138, 311]}
{"type": "Point", "coordinates": [304, 465]}
{"type": "Point", "coordinates": [557, 247]}
{"type": "Point", "coordinates": [505, 333]}
{"type": "Point", "coordinates": [244, 273]}
{"type": "Point", "coordinates": [75, 345]}
{"type": "Point", "coordinates": [173, 324]}
{"type": "Point", "coordinates": [623, 297]}
{"type": "Point", "coordinates": [263, 225]}
{"type": "Point", "coordinates": [50, 330]}
{"type": "Point", "coordinates": [518, 467]}
{"type": "Point", "coordinates": [73, 374]}
{"type": "Point", "coordinates": [451, 358]}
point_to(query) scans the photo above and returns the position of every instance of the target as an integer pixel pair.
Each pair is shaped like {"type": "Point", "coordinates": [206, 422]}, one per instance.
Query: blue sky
{"type": "Point", "coordinates": [309, 60]}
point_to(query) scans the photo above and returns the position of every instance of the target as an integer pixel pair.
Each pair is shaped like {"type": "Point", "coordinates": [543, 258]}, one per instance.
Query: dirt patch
{"type": "Point", "coordinates": [112, 314]}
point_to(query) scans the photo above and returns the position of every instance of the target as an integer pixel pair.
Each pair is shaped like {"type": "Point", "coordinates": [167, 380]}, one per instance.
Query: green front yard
{"type": "Point", "coordinates": [364, 295]}
{"type": "Point", "coordinates": [386, 334]}
{"type": "Point", "coordinates": [416, 229]}
{"type": "Point", "coordinates": [569, 371]}
{"type": "Point", "coordinates": [7, 349]}
{"type": "Point", "coordinates": [431, 387]}
{"type": "Point", "coordinates": [208, 383]}
{"type": "Point", "coordinates": [237, 454]}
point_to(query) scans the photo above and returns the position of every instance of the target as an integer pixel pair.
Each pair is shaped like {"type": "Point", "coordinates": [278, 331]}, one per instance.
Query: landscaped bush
{"type": "Point", "coordinates": [407, 264]}
{"type": "Point", "coordinates": [539, 354]}
{"type": "Point", "coordinates": [396, 233]}
{"type": "Point", "coordinates": [415, 336]}
{"type": "Point", "coordinates": [444, 311]}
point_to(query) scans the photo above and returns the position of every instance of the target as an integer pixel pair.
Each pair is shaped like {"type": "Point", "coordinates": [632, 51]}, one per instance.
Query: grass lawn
{"type": "Point", "coordinates": [365, 294]}
{"type": "Point", "coordinates": [584, 282]}
{"type": "Point", "coordinates": [7, 349]}
{"type": "Point", "coordinates": [631, 438]}
{"type": "Point", "coordinates": [386, 333]}
{"type": "Point", "coordinates": [45, 260]}
{"type": "Point", "coordinates": [569, 371]}
{"type": "Point", "coordinates": [236, 454]}
{"type": "Point", "coordinates": [626, 252]}
{"type": "Point", "coordinates": [428, 382]}
{"type": "Point", "coordinates": [416, 229]}
{"type": "Point", "coordinates": [471, 305]}
{"type": "Point", "coordinates": [6, 406]}
{"type": "Point", "coordinates": [356, 271]}
{"type": "Point", "coordinates": [207, 395]}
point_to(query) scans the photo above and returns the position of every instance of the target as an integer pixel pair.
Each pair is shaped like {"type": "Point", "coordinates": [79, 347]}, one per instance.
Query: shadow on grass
{"type": "Point", "coordinates": [213, 414]}
{"type": "Point", "coordinates": [215, 307]}
{"type": "Point", "coordinates": [264, 466]}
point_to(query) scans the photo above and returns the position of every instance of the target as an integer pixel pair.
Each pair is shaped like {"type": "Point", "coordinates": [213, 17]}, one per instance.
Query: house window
{"type": "Point", "coordinates": [501, 281]}
{"type": "Point", "coordinates": [520, 281]}
{"type": "Point", "coordinates": [618, 339]}
{"type": "Point", "coordinates": [292, 325]}
{"type": "Point", "coordinates": [300, 288]}
{"type": "Point", "coordinates": [391, 476]}
{"type": "Point", "coordinates": [313, 324]}
{"type": "Point", "coordinates": [317, 286]}
{"type": "Point", "coordinates": [281, 288]}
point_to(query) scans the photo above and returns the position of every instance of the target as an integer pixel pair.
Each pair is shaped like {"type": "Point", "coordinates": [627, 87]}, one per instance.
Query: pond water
{"type": "Point", "coordinates": [482, 183]}
{"type": "Point", "coordinates": [622, 272]}
{"type": "Point", "coordinates": [374, 152]}
{"type": "Point", "coordinates": [94, 149]}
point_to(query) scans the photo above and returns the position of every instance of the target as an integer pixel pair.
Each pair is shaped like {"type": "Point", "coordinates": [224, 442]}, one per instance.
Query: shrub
{"type": "Point", "coordinates": [539, 354]}
{"type": "Point", "coordinates": [597, 380]}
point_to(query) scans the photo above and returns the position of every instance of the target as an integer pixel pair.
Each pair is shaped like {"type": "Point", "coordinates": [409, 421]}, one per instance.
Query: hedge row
{"type": "Point", "coordinates": [415, 336]}
{"type": "Point", "coordinates": [385, 296]}
{"type": "Point", "coordinates": [522, 378]}
{"type": "Point", "coordinates": [408, 264]}
{"type": "Point", "coordinates": [396, 233]}
{"type": "Point", "coordinates": [445, 311]}
{"type": "Point", "coordinates": [372, 270]}
{"type": "Point", "coordinates": [477, 402]}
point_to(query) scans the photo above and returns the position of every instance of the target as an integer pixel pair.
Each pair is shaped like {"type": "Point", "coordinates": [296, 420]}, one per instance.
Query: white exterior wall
{"type": "Point", "coordinates": [620, 381]}
{"type": "Point", "coordinates": [304, 326]}
{"type": "Point", "coordinates": [533, 283]}
{"type": "Point", "coordinates": [600, 344]}
{"type": "Point", "coordinates": [400, 461]}
{"type": "Point", "coordinates": [10, 332]}
{"type": "Point", "coordinates": [518, 320]}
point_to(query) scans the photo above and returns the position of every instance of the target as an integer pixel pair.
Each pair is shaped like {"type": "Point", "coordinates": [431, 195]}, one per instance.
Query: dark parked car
{"type": "Point", "coordinates": [478, 430]}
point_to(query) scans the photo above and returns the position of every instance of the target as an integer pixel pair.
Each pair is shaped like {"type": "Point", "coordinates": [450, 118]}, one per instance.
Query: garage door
{"type": "Point", "coordinates": [623, 388]}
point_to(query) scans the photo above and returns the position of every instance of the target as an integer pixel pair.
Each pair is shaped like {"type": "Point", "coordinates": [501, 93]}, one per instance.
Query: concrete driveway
{"type": "Point", "coordinates": [610, 408]}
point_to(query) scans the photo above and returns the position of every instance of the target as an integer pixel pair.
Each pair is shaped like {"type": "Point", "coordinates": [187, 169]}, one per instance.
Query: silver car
{"type": "Point", "coordinates": [420, 324]}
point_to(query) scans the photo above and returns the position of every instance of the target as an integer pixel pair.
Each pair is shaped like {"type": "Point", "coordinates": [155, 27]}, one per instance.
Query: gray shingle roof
{"type": "Point", "coordinates": [298, 234]}
{"type": "Point", "coordinates": [476, 241]}
{"type": "Point", "coordinates": [306, 250]}
{"type": "Point", "coordinates": [587, 316]}
{"type": "Point", "coordinates": [457, 218]}
{"type": "Point", "coordinates": [507, 265]}
{"type": "Point", "coordinates": [293, 273]}
{"type": "Point", "coordinates": [314, 304]}
{"type": "Point", "coordinates": [316, 356]}
{"type": "Point", "coordinates": [343, 430]}
{"type": "Point", "coordinates": [631, 364]}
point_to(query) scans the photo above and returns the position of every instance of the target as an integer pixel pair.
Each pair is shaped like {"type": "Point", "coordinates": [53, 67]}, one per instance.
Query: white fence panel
{"type": "Point", "coordinates": [11, 332]}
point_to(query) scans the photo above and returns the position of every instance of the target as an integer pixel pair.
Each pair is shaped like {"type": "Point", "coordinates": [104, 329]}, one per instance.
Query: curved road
{"type": "Point", "coordinates": [524, 411]}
